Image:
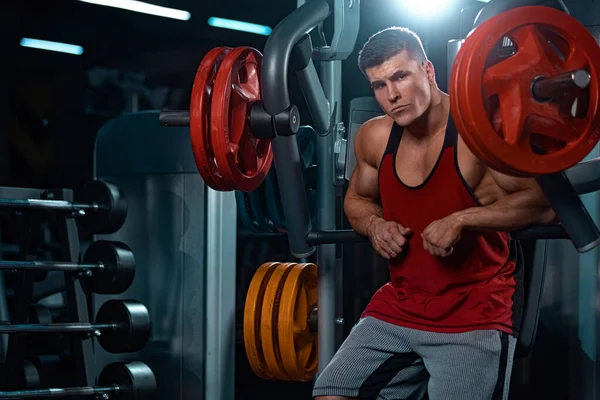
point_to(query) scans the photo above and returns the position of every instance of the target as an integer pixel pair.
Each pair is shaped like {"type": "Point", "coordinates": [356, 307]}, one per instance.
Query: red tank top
{"type": "Point", "coordinates": [471, 289]}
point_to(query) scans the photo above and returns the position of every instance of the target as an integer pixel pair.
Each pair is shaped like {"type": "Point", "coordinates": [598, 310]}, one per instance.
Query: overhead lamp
{"type": "Point", "coordinates": [239, 26]}
{"type": "Point", "coordinates": [52, 46]}
{"type": "Point", "coordinates": [142, 7]}
{"type": "Point", "coordinates": [425, 7]}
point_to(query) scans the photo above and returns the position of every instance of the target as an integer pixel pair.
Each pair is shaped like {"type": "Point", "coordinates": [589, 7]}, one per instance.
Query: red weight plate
{"type": "Point", "coordinates": [243, 160]}
{"type": "Point", "coordinates": [457, 68]}
{"type": "Point", "coordinates": [200, 119]}
{"type": "Point", "coordinates": [563, 138]}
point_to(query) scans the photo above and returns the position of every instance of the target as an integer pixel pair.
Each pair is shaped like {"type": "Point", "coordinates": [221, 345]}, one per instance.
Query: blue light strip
{"type": "Point", "coordinates": [142, 7]}
{"type": "Point", "coordinates": [52, 46]}
{"type": "Point", "coordinates": [239, 26]}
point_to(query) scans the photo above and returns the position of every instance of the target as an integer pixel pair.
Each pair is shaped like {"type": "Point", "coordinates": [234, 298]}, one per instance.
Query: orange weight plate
{"type": "Point", "coordinates": [243, 160]}
{"type": "Point", "coordinates": [297, 344]}
{"type": "Point", "coordinates": [269, 320]}
{"type": "Point", "coordinates": [200, 119]}
{"type": "Point", "coordinates": [252, 319]}
{"type": "Point", "coordinates": [535, 137]}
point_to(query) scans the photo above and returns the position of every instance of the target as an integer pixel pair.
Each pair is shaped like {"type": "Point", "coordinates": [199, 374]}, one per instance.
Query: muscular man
{"type": "Point", "coordinates": [445, 326]}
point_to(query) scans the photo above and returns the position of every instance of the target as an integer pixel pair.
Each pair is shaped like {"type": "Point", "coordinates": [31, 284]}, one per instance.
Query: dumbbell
{"type": "Point", "coordinates": [122, 326]}
{"type": "Point", "coordinates": [118, 381]}
{"type": "Point", "coordinates": [103, 209]}
{"type": "Point", "coordinates": [108, 265]}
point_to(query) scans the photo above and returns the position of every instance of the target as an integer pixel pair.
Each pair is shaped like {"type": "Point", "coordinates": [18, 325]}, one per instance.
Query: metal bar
{"type": "Point", "coordinates": [174, 118]}
{"type": "Point", "coordinates": [328, 292]}
{"type": "Point", "coordinates": [60, 392]}
{"type": "Point", "coordinates": [274, 85]}
{"type": "Point", "coordinates": [540, 232]}
{"type": "Point", "coordinates": [575, 220]}
{"type": "Point", "coordinates": [585, 176]}
{"type": "Point", "coordinates": [333, 237]}
{"type": "Point", "coordinates": [293, 194]}
{"type": "Point", "coordinates": [350, 236]}
{"type": "Point", "coordinates": [544, 89]}
{"type": "Point", "coordinates": [314, 95]}
{"type": "Point", "coordinates": [65, 327]}
{"type": "Point", "coordinates": [278, 48]}
{"type": "Point", "coordinates": [51, 205]}
{"type": "Point", "coordinates": [221, 252]}
{"type": "Point", "coordinates": [47, 266]}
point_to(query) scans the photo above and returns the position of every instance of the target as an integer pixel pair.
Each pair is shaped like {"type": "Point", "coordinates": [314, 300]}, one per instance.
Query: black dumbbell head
{"type": "Point", "coordinates": [31, 375]}
{"type": "Point", "coordinates": [133, 320]}
{"type": "Point", "coordinates": [112, 207]}
{"type": "Point", "coordinates": [135, 380]}
{"type": "Point", "coordinates": [119, 267]}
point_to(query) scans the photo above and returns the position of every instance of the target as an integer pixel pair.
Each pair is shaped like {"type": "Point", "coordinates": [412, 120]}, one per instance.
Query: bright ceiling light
{"type": "Point", "coordinates": [141, 7]}
{"type": "Point", "coordinates": [52, 46]}
{"type": "Point", "coordinates": [239, 26]}
{"type": "Point", "coordinates": [425, 7]}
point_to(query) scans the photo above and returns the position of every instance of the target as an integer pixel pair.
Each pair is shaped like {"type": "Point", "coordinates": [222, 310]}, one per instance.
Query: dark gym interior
{"type": "Point", "coordinates": [148, 267]}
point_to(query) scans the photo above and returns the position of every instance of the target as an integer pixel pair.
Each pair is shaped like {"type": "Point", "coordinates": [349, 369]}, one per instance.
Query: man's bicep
{"type": "Point", "coordinates": [364, 182]}
{"type": "Point", "coordinates": [513, 184]}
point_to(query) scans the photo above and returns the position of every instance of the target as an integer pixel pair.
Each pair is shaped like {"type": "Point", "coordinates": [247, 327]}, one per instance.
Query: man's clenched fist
{"type": "Point", "coordinates": [441, 235]}
{"type": "Point", "coordinates": [388, 237]}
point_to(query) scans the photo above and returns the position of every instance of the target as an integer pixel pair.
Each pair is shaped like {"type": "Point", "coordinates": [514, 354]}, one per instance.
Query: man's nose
{"type": "Point", "coordinates": [393, 93]}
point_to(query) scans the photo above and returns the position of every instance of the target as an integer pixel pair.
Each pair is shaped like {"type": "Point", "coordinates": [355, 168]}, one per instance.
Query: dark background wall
{"type": "Point", "coordinates": [50, 111]}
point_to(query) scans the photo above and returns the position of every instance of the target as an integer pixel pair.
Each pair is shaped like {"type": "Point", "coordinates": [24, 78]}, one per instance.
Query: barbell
{"type": "Point", "coordinates": [552, 70]}
{"type": "Point", "coordinates": [121, 326]}
{"type": "Point", "coordinates": [102, 211]}
{"type": "Point", "coordinates": [119, 381]}
{"type": "Point", "coordinates": [108, 266]}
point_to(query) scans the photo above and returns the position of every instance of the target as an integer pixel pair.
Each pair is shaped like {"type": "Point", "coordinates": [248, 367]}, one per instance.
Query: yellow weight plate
{"type": "Point", "coordinates": [252, 320]}
{"type": "Point", "coordinates": [269, 318]}
{"type": "Point", "coordinates": [297, 344]}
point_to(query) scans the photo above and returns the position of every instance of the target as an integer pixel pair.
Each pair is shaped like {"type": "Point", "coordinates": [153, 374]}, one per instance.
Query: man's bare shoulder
{"type": "Point", "coordinates": [371, 139]}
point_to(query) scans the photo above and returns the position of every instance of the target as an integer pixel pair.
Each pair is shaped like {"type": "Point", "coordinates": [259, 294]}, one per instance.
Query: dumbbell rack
{"type": "Point", "coordinates": [78, 302]}
{"type": "Point", "coordinates": [78, 298]}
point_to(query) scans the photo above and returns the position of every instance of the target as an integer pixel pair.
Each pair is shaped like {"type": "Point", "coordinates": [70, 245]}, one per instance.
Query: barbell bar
{"type": "Point", "coordinates": [122, 326]}
{"type": "Point", "coordinates": [102, 211]}
{"type": "Point", "coordinates": [118, 381]}
{"type": "Point", "coordinates": [108, 265]}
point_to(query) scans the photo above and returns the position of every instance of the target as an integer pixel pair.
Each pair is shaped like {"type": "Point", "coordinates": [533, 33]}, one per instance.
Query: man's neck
{"type": "Point", "coordinates": [434, 120]}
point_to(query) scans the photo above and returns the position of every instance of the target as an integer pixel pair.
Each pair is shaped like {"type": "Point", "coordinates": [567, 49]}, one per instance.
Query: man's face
{"type": "Point", "coordinates": [402, 86]}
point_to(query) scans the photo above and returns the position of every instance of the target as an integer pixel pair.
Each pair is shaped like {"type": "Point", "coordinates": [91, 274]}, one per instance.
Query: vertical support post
{"type": "Point", "coordinates": [220, 294]}
{"type": "Point", "coordinates": [4, 130]}
{"type": "Point", "coordinates": [328, 293]}
{"type": "Point", "coordinates": [79, 301]}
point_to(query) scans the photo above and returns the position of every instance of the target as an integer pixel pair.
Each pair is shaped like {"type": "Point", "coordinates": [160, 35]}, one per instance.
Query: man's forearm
{"type": "Point", "coordinates": [362, 214]}
{"type": "Point", "coordinates": [516, 211]}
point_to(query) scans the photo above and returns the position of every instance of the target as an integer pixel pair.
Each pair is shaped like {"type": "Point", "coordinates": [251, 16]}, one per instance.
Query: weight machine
{"type": "Point", "coordinates": [273, 117]}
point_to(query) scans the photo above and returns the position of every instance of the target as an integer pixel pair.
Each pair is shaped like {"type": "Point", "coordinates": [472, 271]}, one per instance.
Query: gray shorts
{"type": "Point", "coordinates": [379, 360]}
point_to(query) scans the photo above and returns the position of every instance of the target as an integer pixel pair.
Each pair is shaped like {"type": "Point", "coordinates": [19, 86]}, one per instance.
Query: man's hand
{"type": "Point", "coordinates": [388, 237]}
{"type": "Point", "coordinates": [441, 235]}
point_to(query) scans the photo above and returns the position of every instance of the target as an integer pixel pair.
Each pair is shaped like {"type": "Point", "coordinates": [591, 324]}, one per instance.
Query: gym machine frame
{"type": "Point", "coordinates": [289, 42]}
{"type": "Point", "coordinates": [275, 117]}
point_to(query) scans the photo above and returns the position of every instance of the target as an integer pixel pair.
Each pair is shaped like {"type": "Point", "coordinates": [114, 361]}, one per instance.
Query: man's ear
{"type": "Point", "coordinates": [430, 70]}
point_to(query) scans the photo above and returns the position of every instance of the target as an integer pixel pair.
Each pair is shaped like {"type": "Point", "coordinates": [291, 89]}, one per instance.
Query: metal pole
{"type": "Point", "coordinates": [220, 295]}
{"type": "Point", "coordinates": [331, 80]}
